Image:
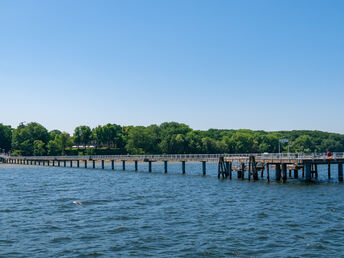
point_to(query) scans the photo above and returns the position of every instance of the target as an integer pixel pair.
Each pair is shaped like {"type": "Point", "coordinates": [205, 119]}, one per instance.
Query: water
{"type": "Point", "coordinates": [46, 211]}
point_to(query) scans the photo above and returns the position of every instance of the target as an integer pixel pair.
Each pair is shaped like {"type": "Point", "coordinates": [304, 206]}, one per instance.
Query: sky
{"type": "Point", "coordinates": [262, 65]}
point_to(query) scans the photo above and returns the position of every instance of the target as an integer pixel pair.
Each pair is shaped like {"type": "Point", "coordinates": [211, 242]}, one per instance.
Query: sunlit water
{"type": "Point", "coordinates": [46, 211]}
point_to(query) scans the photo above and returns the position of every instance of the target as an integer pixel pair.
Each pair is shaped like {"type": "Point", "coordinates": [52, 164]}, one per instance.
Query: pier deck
{"type": "Point", "coordinates": [251, 164]}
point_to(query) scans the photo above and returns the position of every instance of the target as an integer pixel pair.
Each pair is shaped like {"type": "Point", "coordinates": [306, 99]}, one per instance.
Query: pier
{"type": "Point", "coordinates": [245, 166]}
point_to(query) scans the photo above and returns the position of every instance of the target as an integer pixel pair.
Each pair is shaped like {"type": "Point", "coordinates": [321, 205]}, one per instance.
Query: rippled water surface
{"type": "Point", "coordinates": [47, 211]}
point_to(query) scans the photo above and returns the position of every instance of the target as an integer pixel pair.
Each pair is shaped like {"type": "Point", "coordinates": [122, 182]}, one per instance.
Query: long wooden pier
{"type": "Point", "coordinates": [248, 166]}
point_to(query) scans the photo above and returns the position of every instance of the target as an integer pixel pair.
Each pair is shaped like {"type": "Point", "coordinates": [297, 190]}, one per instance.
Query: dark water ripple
{"type": "Point", "coordinates": [84, 212]}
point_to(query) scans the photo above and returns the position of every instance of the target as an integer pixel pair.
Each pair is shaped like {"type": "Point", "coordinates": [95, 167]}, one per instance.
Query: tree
{"type": "Point", "coordinates": [143, 140]}
{"type": "Point", "coordinates": [82, 135]}
{"type": "Point", "coordinates": [38, 148]}
{"type": "Point", "coordinates": [5, 137]}
{"type": "Point", "coordinates": [58, 145]}
{"type": "Point", "coordinates": [24, 136]}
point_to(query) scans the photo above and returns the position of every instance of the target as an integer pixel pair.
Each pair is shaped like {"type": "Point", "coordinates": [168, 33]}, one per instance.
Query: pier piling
{"type": "Point", "coordinates": [278, 172]}
{"type": "Point", "coordinates": [284, 172]}
{"type": "Point", "coordinates": [308, 171]}
{"type": "Point", "coordinates": [340, 172]}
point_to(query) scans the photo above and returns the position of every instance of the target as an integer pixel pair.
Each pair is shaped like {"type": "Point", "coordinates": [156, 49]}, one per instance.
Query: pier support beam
{"type": "Point", "coordinates": [227, 168]}
{"type": "Point", "coordinates": [296, 173]}
{"type": "Point", "coordinates": [278, 172]}
{"type": "Point", "coordinates": [85, 163]}
{"type": "Point", "coordinates": [242, 174]}
{"type": "Point", "coordinates": [165, 166]}
{"type": "Point", "coordinates": [58, 163]}
{"type": "Point", "coordinates": [136, 165]}
{"type": "Point", "coordinates": [78, 163]}
{"type": "Point", "coordinates": [112, 164]}
{"type": "Point", "coordinates": [71, 163]}
{"type": "Point", "coordinates": [303, 171]}
{"type": "Point", "coordinates": [93, 164]}
{"type": "Point", "coordinates": [48, 163]}
{"type": "Point", "coordinates": [183, 166]}
{"type": "Point", "coordinates": [340, 172]}
{"type": "Point", "coordinates": [284, 172]}
{"type": "Point", "coordinates": [329, 170]}
{"type": "Point", "coordinates": [267, 173]}
{"type": "Point", "coordinates": [53, 163]}
{"type": "Point", "coordinates": [308, 171]}
{"type": "Point", "coordinates": [102, 164]}
{"type": "Point", "coordinates": [149, 166]}
{"type": "Point", "coordinates": [204, 168]}
{"type": "Point", "coordinates": [123, 165]}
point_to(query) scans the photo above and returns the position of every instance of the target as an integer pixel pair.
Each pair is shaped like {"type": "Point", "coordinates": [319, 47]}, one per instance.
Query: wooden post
{"type": "Point", "coordinates": [308, 171]}
{"type": "Point", "coordinates": [165, 166]}
{"type": "Point", "coordinates": [123, 165]}
{"type": "Point", "coordinates": [93, 163]}
{"type": "Point", "coordinates": [48, 163]}
{"type": "Point", "coordinates": [85, 163]}
{"type": "Point", "coordinates": [262, 173]}
{"type": "Point", "coordinates": [64, 163]}
{"type": "Point", "coordinates": [289, 173]}
{"type": "Point", "coordinates": [112, 164]}
{"type": "Point", "coordinates": [242, 170]}
{"type": "Point", "coordinates": [136, 165]}
{"type": "Point", "coordinates": [102, 164]}
{"type": "Point", "coordinates": [296, 173]}
{"type": "Point", "coordinates": [53, 163]}
{"type": "Point", "coordinates": [284, 170]}
{"type": "Point", "coordinates": [58, 163]}
{"type": "Point", "coordinates": [303, 171]}
{"type": "Point", "coordinates": [267, 172]}
{"type": "Point", "coordinates": [230, 171]}
{"type": "Point", "coordinates": [278, 172]}
{"type": "Point", "coordinates": [340, 172]}
{"type": "Point", "coordinates": [329, 170]}
{"type": "Point", "coordinates": [204, 168]}
{"type": "Point", "coordinates": [71, 163]}
{"type": "Point", "coordinates": [150, 166]}
{"type": "Point", "coordinates": [316, 170]}
{"type": "Point", "coordinates": [183, 166]}
{"type": "Point", "coordinates": [78, 163]}
{"type": "Point", "coordinates": [227, 168]}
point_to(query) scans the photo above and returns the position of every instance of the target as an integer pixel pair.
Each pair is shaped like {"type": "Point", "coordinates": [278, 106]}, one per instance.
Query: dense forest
{"type": "Point", "coordinates": [170, 137]}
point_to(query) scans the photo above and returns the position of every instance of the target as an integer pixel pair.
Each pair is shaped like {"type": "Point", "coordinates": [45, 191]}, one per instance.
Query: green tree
{"type": "Point", "coordinates": [38, 148]}
{"type": "Point", "coordinates": [5, 137]}
{"type": "Point", "coordinates": [24, 136]}
{"type": "Point", "coordinates": [82, 135]}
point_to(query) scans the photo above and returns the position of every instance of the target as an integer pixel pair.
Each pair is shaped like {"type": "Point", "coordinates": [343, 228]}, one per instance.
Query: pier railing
{"type": "Point", "coordinates": [258, 156]}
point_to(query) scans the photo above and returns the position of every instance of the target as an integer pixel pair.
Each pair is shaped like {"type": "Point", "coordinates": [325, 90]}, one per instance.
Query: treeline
{"type": "Point", "coordinates": [170, 137]}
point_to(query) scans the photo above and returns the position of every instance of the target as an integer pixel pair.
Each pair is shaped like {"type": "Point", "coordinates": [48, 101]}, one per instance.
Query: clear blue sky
{"type": "Point", "coordinates": [270, 65]}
